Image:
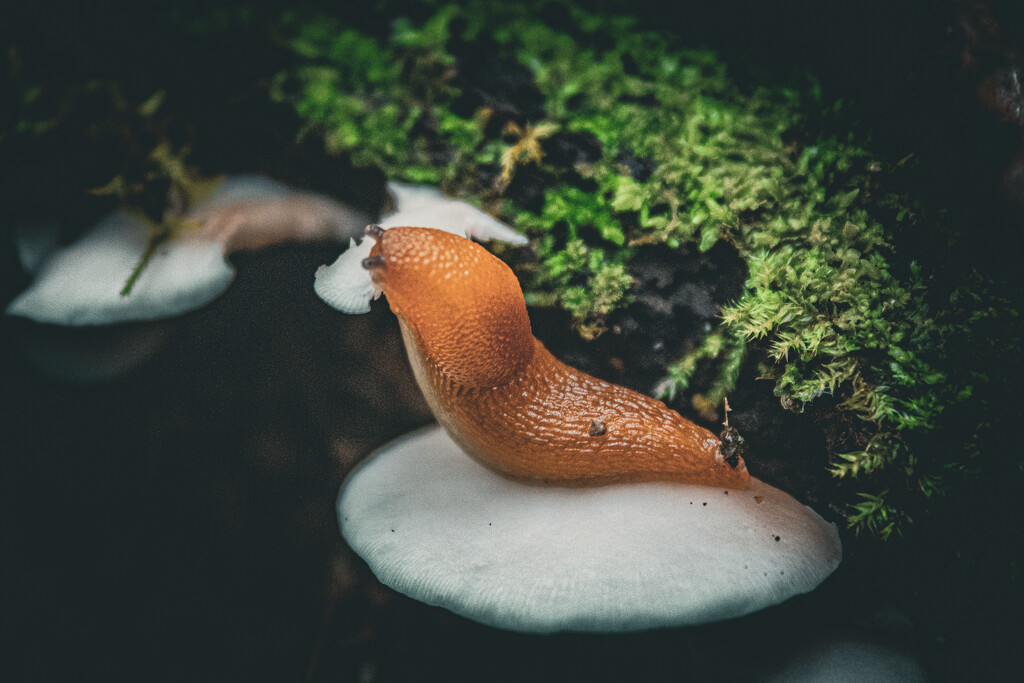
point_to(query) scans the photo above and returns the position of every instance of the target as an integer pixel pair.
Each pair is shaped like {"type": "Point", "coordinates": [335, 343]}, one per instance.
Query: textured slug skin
{"type": "Point", "coordinates": [505, 399]}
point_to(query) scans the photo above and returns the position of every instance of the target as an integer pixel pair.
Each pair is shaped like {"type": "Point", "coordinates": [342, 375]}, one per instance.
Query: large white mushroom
{"type": "Point", "coordinates": [435, 525]}
{"type": "Point", "coordinates": [680, 534]}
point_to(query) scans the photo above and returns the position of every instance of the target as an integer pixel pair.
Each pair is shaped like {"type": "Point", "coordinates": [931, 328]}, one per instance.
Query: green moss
{"type": "Point", "coordinates": [685, 157]}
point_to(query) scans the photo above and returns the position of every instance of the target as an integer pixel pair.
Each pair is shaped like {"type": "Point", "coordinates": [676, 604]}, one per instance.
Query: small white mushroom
{"type": "Point", "coordinates": [426, 207]}
{"type": "Point", "coordinates": [347, 286]}
{"type": "Point", "coordinates": [81, 284]}
{"type": "Point", "coordinates": [74, 324]}
{"type": "Point", "coordinates": [434, 524]}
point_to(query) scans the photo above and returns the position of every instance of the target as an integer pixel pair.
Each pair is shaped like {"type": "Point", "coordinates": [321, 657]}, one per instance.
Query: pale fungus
{"type": "Point", "coordinates": [94, 310]}
{"type": "Point", "coordinates": [84, 284]}
{"type": "Point", "coordinates": [616, 558]}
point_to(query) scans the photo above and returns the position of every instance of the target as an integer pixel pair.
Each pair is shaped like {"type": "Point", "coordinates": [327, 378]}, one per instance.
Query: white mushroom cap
{"type": "Point", "coordinates": [347, 286]}
{"type": "Point", "coordinates": [81, 284]}
{"type": "Point", "coordinates": [434, 524]}
{"type": "Point", "coordinates": [419, 206]}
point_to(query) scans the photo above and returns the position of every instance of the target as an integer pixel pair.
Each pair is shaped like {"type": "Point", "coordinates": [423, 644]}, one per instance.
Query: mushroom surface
{"type": "Point", "coordinates": [427, 207]}
{"type": "Point", "coordinates": [81, 284]}
{"type": "Point", "coordinates": [437, 526]}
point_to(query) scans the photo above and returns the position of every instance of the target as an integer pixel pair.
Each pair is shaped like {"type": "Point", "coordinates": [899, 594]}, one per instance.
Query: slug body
{"type": "Point", "coordinates": [504, 398]}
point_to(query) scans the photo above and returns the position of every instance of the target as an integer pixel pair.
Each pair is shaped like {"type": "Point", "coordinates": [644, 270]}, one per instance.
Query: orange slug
{"type": "Point", "coordinates": [504, 398]}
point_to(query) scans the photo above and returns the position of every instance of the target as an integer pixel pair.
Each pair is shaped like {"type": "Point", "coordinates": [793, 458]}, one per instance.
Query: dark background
{"type": "Point", "coordinates": [177, 523]}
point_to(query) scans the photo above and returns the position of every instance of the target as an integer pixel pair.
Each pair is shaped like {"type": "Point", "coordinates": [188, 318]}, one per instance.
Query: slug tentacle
{"type": "Point", "coordinates": [505, 399]}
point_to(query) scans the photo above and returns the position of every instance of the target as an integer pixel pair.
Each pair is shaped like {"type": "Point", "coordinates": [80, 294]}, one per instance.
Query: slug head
{"type": "Point", "coordinates": [464, 306]}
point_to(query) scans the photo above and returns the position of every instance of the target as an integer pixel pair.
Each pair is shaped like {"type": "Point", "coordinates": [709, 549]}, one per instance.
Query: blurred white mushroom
{"type": "Point", "coordinates": [426, 207]}
{"type": "Point", "coordinates": [434, 524]}
{"type": "Point", "coordinates": [82, 284]}
{"type": "Point", "coordinates": [77, 321]}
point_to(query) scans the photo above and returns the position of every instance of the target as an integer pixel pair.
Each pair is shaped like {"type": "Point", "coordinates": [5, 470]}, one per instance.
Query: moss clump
{"type": "Point", "coordinates": [597, 138]}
